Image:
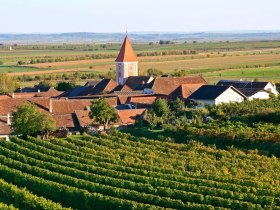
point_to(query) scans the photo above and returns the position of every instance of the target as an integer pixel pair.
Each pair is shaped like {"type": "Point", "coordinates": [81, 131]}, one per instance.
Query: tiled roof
{"type": "Point", "coordinates": [65, 106]}
{"type": "Point", "coordinates": [121, 88]}
{"type": "Point", "coordinates": [104, 86]}
{"type": "Point", "coordinates": [242, 84]}
{"type": "Point", "coordinates": [184, 91]}
{"type": "Point", "coordinates": [65, 120]}
{"type": "Point", "coordinates": [51, 93]}
{"type": "Point", "coordinates": [128, 116]}
{"type": "Point", "coordinates": [142, 101]}
{"type": "Point", "coordinates": [138, 82]}
{"type": "Point", "coordinates": [211, 92]}
{"type": "Point", "coordinates": [4, 128]}
{"type": "Point", "coordinates": [10, 105]}
{"type": "Point", "coordinates": [73, 92]}
{"type": "Point", "coordinates": [23, 95]}
{"type": "Point", "coordinates": [251, 91]}
{"type": "Point", "coordinates": [92, 83]}
{"type": "Point", "coordinates": [166, 85]}
{"type": "Point", "coordinates": [83, 118]}
{"type": "Point", "coordinates": [4, 97]}
{"type": "Point", "coordinates": [126, 53]}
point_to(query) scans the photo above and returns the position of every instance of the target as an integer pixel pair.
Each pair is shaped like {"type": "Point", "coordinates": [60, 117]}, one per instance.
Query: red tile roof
{"type": "Point", "coordinates": [83, 118]}
{"type": "Point", "coordinates": [128, 116]}
{"type": "Point", "coordinates": [10, 105]}
{"type": "Point", "coordinates": [184, 91]}
{"type": "Point", "coordinates": [166, 85]}
{"type": "Point", "coordinates": [142, 101]}
{"type": "Point", "coordinates": [126, 53]}
{"type": "Point", "coordinates": [4, 97]}
{"type": "Point", "coordinates": [4, 128]}
{"type": "Point", "coordinates": [64, 120]}
{"type": "Point", "coordinates": [65, 106]}
{"type": "Point", "coordinates": [104, 86]}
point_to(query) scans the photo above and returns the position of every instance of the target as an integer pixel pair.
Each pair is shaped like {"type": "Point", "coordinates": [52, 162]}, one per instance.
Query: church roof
{"type": "Point", "coordinates": [126, 53]}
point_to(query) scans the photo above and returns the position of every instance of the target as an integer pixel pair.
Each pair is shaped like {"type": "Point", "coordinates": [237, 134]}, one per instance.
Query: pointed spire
{"type": "Point", "coordinates": [126, 53]}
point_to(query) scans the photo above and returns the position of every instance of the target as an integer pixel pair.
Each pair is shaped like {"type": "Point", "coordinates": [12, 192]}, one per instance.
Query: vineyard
{"type": "Point", "coordinates": [121, 171]}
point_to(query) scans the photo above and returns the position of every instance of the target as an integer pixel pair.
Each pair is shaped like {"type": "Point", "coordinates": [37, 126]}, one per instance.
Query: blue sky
{"type": "Point", "coordinates": [29, 16]}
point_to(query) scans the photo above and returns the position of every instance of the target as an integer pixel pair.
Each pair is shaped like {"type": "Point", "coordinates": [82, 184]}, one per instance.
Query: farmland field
{"type": "Point", "coordinates": [236, 60]}
{"type": "Point", "coordinates": [125, 172]}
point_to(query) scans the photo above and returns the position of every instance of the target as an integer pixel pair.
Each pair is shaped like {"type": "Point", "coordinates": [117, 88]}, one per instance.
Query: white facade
{"type": "Point", "coordinates": [271, 88]}
{"type": "Point", "coordinates": [228, 96]}
{"type": "Point", "coordinates": [124, 70]}
{"type": "Point", "coordinates": [259, 95]}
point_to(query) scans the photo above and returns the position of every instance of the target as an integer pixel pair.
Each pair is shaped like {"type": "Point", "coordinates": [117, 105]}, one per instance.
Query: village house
{"type": "Point", "coordinates": [253, 90]}
{"type": "Point", "coordinates": [215, 95]}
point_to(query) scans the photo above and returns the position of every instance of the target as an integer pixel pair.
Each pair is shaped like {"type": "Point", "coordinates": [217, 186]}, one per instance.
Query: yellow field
{"type": "Point", "coordinates": [165, 63]}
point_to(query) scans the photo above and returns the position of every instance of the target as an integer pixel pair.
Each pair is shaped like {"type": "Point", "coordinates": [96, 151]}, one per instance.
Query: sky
{"type": "Point", "coordinates": [59, 16]}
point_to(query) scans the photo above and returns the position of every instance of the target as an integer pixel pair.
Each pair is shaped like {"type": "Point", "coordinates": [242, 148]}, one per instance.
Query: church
{"type": "Point", "coordinates": [126, 62]}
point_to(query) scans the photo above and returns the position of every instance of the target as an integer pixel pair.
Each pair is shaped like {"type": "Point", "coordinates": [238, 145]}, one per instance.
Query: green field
{"type": "Point", "coordinates": [124, 172]}
{"type": "Point", "coordinates": [234, 60]}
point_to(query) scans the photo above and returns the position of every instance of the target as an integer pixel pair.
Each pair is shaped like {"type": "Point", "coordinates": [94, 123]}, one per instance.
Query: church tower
{"type": "Point", "coordinates": [126, 62]}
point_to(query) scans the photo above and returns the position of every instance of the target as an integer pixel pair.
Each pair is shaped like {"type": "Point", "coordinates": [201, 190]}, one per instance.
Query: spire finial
{"type": "Point", "coordinates": [126, 30]}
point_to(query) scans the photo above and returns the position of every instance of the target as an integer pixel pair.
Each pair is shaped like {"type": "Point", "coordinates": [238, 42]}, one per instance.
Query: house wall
{"type": "Point", "coordinates": [271, 88]}
{"type": "Point", "coordinates": [229, 96]}
{"type": "Point", "coordinates": [259, 95]}
{"type": "Point", "coordinates": [124, 70]}
{"type": "Point", "coordinates": [4, 137]}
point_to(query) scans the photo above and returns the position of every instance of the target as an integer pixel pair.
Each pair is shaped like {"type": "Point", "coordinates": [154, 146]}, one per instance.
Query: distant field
{"type": "Point", "coordinates": [212, 60]}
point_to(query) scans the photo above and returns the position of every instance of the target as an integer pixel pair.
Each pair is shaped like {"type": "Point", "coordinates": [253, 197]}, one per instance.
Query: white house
{"type": "Point", "coordinates": [253, 90]}
{"type": "Point", "coordinates": [255, 93]}
{"type": "Point", "coordinates": [214, 95]}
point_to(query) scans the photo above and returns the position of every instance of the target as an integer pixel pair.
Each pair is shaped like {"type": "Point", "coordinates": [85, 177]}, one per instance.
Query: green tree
{"type": "Point", "coordinates": [154, 72]}
{"type": "Point", "coordinates": [7, 84]}
{"type": "Point", "coordinates": [47, 125]}
{"type": "Point", "coordinates": [44, 84]}
{"type": "Point", "coordinates": [102, 112]}
{"type": "Point", "coordinates": [161, 108]}
{"type": "Point", "coordinates": [63, 86]}
{"type": "Point", "coordinates": [180, 73]}
{"type": "Point", "coordinates": [177, 107]}
{"type": "Point", "coordinates": [28, 120]}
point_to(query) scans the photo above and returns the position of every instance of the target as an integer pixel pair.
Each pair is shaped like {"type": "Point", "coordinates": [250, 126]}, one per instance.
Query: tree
{"type": "Point", "coordinates": [63, 86]}
{"type": "Point", "coordinates": [180, 73]}
{"type": "Point", "coordinates": [28, 120]}
{"type": "Point", "coordinates": [177, 107]}
{"type": "Point", "coordinates": [44, 84]}
{"type": "Point", "coordinates": [7, 84]}
{"type": "Point", "coordinates": [47, 125]}
{"type": "Point", "coordinates": [154, 72]}
{"type": "Point", "coordinates": [102, 112]}
{"type": "Point", "coordinates": [20, 62]}
{"type": "Point", "coordinates": [161, 108]}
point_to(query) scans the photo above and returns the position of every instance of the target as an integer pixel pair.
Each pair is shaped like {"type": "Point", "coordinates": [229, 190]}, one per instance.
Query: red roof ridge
{"type": "Point", "coordinates": [126, 53]}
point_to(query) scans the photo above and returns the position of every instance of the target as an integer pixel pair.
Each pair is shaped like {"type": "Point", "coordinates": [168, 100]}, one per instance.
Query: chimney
{"type": "Point", "coordinates": [8, 119]}
{"type": "Point", "coordinates": [39, 90]}
{"type": "Point", "coordinates": [13, 95]}
{"type": "Point", "coordinates": [51, 106]}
